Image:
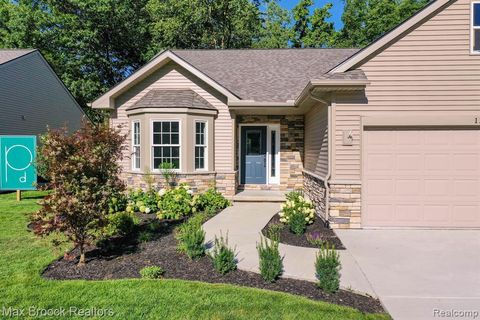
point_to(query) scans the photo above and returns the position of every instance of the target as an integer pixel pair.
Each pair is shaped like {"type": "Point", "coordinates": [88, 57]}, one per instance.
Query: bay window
{"type": "Point", "coordinates": [166, 143]}
{"type": "Point", "coordinates": [200, 145]}
{"type": "Point", "coordinates": [136, 145]}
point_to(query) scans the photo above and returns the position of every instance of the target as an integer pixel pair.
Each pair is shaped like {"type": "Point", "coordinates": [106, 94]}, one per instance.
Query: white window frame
{"type": "Point", "coordinates": [179, 145]}
{"type": "Point", "coordinates": [136, 147]}
{"type": "Point", "coordinates": [276, 127]}
{"type": "Point", "coordinates": [204, 145]}
{"type": "Point", "coordinates": [473, 27]}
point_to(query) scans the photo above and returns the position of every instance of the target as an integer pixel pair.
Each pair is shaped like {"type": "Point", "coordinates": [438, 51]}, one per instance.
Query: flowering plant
{"type": "Point", "coordinates": [297, 212]}
{"type": "Point", "coordinates": [175, 203]}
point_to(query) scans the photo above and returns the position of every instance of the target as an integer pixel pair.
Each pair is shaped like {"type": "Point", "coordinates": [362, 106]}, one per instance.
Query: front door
{"type": "Point", "coordinates": [253, 155]}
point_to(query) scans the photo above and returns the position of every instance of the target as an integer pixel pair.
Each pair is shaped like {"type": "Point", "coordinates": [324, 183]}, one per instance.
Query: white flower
{"type": "Point", "coordinates": [283, 220]}
{"type": "Point", "coordinates": [307, 219]}
{"type": "Point", "coordinates": [162, 192]}
{"type": "Point", "coordinates": [309, 201]}
{"type": "Point", "coordinates": [283, 206]}
{"type": "Point", "coordinates": [189, 191]}
{"type": "Point", "coordinates": [147, 210]}
{"type": "Point", "coordinates": [281, 214]}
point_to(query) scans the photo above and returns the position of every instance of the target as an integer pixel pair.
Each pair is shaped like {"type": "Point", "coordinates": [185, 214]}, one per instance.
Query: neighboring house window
{"type": "Point", "coordinates": [166, 143]}
{"type": "Point", "coordinates": [200, 144]}
{"type": "Point", "coordinates": [136, 145]}
{"type": "Point", "coordinates": [476, 27]}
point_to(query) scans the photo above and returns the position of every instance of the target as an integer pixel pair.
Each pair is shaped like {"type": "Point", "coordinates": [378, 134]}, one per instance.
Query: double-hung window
{"type": "Point", "coordinates": [476, 27]}
{"type": "Point", "coordinates": [166, 143]}
{"type": "Point", "coordinates": [136, 145]}
{"type": "Point", "coordinates": [200, 145]}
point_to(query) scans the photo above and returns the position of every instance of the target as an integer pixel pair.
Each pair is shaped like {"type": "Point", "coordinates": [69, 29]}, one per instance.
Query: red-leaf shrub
{"type": "Point", "coordinates": [83, 171]}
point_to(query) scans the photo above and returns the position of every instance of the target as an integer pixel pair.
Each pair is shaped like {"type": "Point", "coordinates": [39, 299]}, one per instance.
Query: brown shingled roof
{"type": "Point", "coordinates": [265, 74]}
{"type": "Point", "coordinates": [172, 98]}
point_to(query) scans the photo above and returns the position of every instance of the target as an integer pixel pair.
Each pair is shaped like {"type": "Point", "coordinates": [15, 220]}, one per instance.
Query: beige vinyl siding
{"type": "Point", "coordinates": [29, 88]}
{"type": "Point", "coordinates": [172, 76]}
{"type": "Point", "coordinates": [316, 141]}
{"type": "Point", "coordinates": [427, 72]}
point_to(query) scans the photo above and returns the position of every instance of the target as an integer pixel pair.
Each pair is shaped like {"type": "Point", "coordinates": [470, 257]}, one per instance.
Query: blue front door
{"type": "Point", "coordinates": [253, 155]}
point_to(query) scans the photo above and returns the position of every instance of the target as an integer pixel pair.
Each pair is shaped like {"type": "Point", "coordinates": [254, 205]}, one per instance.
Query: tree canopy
{"type": "Point", "coordinates": [94, 44]}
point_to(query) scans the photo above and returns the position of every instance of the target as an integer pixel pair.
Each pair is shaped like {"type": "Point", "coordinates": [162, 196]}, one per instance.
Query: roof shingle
{"type": "Point", "coordinates": [7, 55]}
{"type": "Point", "coordinates": [276, 75]}
{"type": "Point", "coordinates": [172, 98]}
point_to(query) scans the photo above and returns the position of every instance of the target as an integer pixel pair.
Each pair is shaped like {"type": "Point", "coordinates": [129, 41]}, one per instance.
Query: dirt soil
{"type": "Point", "coordinates": [317, 227]}
{"type": "Point", "coordinates": [125, 257]}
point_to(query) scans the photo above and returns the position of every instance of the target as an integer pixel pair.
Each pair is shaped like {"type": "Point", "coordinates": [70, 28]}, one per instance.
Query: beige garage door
{"type": "Point", "coordinates": [421, 178]}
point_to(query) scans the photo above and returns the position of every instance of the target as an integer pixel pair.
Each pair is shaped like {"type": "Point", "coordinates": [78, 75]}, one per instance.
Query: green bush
{"type": "Point", "coordinates": [175, 203]}
{"type": "Point", "coordinates": [191, 237]}
{"type": "Point", "coordinates": [117, 203]}
{"type": "Point", "coordinates": [273, 231]}
{"type": "Point", "coordinates": [327, 266]}
{"type": "Point", "coordinates": [152, 272]}
{"type": "Point", "coordinates": [297, 212]}
{"type": "Point", "coordinates": [223, 256]}
{"type": "Point", "coordinates": [120, 224]}
{"type": "Point", "coordinates": [210, 202]}
{"type": "Point", "coordinates": [271, 263]}
{"type": "Point", "coordinates": [142, 201]}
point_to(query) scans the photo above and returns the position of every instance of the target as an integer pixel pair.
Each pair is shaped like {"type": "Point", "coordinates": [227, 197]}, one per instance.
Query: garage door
{"type": "Point", "coordinates": [421, 178]}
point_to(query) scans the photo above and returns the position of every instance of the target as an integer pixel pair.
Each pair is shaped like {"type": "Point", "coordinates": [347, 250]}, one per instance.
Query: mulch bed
{"type": "Point", "coordinates": [125, 258]}
{"type": "Point", "coordinates": [318, 227]}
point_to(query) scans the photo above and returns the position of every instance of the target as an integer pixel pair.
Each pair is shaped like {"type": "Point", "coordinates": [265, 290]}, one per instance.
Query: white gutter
{"type": "Point", "coordinates": [329, 151]}
{"type": "Point", "coordinates": [252, 103]}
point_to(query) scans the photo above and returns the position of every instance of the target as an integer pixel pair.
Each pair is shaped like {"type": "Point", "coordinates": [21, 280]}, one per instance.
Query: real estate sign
{"type": "Point", "coordinates": [17, 163]}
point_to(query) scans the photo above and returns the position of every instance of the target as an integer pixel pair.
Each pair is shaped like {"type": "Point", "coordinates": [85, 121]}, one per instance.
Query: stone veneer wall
{"type": "Point", "coordinates": [224, 182]}
{"type": "Point", "coordinates": [314, 189]}
{"type": "Point", "coordinates": [291, 148]}
{"type": "Point", "coordinates": [345, 206]}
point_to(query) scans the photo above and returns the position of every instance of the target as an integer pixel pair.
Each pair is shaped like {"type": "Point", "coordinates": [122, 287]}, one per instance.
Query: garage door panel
{"type": "Point", "coordinates": [421, 178]}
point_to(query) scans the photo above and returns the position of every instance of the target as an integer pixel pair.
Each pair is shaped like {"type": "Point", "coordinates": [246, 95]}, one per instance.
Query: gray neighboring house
{"type": "Point", "coordinates": [32, 96]}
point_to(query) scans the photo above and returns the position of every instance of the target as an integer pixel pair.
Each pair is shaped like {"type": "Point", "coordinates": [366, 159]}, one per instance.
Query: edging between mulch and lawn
{"type": "Point", "coordinates": [127, 257]}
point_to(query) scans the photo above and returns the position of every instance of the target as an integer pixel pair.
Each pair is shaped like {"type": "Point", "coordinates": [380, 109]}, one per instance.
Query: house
{"type": "Point", "coordinates": [387, 136]}
{"type": "Point", "coordinates": [32, 96]}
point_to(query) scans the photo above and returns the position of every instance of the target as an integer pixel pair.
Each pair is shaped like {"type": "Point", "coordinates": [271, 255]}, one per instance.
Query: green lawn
{"type": "Point", "coordinates": [22, 258]}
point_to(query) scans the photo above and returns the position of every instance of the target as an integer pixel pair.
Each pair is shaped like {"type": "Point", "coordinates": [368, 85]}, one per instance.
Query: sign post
{"type": "Point", "coordinates": [17, 163]}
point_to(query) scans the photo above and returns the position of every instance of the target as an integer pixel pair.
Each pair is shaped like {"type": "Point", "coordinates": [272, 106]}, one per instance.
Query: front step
{"type": "Point", "coordinates": [259, 196]}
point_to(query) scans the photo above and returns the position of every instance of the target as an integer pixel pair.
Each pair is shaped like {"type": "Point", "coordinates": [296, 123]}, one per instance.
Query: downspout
{"type": "Point", "coordinates": [329, 152]}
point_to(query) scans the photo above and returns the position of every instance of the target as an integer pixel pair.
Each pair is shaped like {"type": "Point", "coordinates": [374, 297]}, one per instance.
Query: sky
{"type": "Point", "coordinates": [336, 10]}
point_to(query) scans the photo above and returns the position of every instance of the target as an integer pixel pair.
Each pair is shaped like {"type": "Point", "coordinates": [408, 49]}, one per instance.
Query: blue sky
{"type": "Point", "coordinates": [336, 10]}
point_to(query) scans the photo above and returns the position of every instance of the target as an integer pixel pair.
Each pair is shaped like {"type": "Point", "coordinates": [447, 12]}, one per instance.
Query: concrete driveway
{"type": "Point", "coordinates": [421, 274]}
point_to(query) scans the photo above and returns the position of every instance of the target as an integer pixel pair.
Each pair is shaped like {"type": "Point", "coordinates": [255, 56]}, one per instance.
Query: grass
{"type": "Point", "coordinates": [23, 257]}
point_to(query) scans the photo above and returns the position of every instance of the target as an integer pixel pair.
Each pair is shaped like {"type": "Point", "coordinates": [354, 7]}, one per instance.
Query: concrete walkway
{"type": "Point", "coordinates": [418, 274]}
{"type": "Point", "coordinates": [244, 222]}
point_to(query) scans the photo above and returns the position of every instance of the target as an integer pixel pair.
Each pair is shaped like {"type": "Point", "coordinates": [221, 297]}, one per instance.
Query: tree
{"type": "Point", "coordinates": [83, 172]}
{"type": "Point", "coordinates": [321, 32]}
{"type": "Point", "coordinates": [189, 24]}
{"type": "Point", "coordinates": [275, 32]}
{"type": "Point", "coordinates": [91, 44]}
{"type": "Point", "coordinates": [312, 30]}
{"type": "Point", "coordinates": [366, 20]}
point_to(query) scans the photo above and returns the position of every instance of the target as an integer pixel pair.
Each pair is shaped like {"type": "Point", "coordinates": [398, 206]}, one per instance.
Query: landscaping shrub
{"type": "Point", "coordinates": [210, 202]}
{"type": "Point", "coordinates": [167, 169]}
{"type": "Point", "coordinates": [223, 256]}
{"type": "Point", "coordinates": [273, 231]}
{"type": "Point", "coordinates": [120, 224]}
{"type": "Point", "coordinates": [83, 170]}
{"type": "Point", "coordinates": [142, 201]}
{"type": "Point", "coordinates": [327, 266]}
{"type": "Point", "coordinates": [271, 264]}
{"type": "Point", "coordinates": [191, 237]}
{"type": "Point", "coordinates": [297, 212]}
{"type": "Point", "coordinates": [315, 238]}
{"type": "Point", "coordinates": [117, 203]}
{"type": "Point", "coordinates": [152, 272]}
{"type": "Point", "coordinates": [175, 203]}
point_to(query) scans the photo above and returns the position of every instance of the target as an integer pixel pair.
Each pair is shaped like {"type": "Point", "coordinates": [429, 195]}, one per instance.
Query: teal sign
{"type": "Point", "coordinates": [17, 162]}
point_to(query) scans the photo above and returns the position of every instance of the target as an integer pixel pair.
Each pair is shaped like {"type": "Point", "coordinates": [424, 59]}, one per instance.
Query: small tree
{"type": "Point", "coordinates": [83, 171]}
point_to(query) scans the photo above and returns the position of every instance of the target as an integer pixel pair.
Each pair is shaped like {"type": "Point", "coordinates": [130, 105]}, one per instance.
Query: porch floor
{"type": "Point", "coordinates": [259, 196]}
